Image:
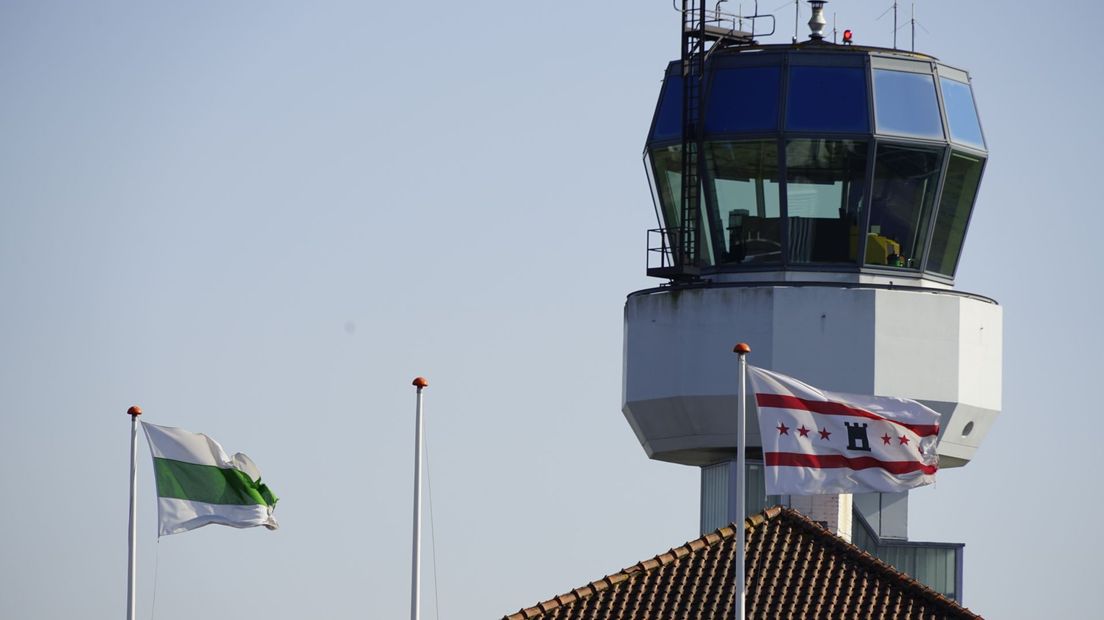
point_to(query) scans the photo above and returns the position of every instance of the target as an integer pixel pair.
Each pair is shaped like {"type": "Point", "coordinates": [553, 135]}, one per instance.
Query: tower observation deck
{"type": "Point", "coordinates": [813, 200]}
{"type": "Point", "coordinates": [820, 158]}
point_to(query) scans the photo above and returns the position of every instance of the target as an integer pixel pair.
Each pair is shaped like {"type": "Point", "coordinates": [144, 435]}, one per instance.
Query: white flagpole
{"type": "Point", "coordinates": [415, 572]}
{"type": "Point", "coordinates": [132, 551]}
{"type": "Point", "coordinates": [742, 350]}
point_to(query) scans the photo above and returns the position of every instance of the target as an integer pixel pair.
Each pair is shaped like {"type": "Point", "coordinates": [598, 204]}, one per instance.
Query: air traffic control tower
{"type": "Point", "coordinates": [813, 201]}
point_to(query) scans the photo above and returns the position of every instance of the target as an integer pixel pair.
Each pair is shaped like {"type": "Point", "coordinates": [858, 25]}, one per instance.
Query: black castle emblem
{"type": "Point", "coordinates": [856, 437]}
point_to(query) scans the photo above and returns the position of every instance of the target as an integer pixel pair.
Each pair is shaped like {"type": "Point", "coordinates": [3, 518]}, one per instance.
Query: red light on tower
{"type": "Point", "coordinates": [847, 37]}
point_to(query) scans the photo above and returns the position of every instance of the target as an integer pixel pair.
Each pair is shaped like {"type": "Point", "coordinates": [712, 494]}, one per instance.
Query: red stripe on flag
{"type": "Point", "coordinates": [830, 407]}
{"type": "Point", "coordinates": [838, 461]}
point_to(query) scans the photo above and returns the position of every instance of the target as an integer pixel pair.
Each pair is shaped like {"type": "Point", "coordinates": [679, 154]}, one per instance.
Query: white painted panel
{"type": "Point", "coordinates": [680, 375]}
{"type": "Point", "coordinates": [916, 345]}
{"type": "Point", "coordinates": [825, 337]}
{"type": "Point", "coordinates": [980, 342]}
{"type": "Point", "coordinates": [681, 343]}
{"type": "Point", "coordinates": [955, 441]}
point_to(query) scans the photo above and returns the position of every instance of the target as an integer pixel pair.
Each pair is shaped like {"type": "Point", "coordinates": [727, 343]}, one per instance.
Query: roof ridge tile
{"type": "Point", "coordinates": [670, 556]}
{"type": "Point", "coordinates": [885, 569]}
{"type": "Point", "coordinates": [792, 520]}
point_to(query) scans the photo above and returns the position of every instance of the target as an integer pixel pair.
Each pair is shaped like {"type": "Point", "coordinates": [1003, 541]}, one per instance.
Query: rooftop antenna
{"type": "Point", "coordinates": [797, 15]}
{"type": "Point", "coordinates": [913, 23]}
{"type": "Point", "coordinates": [912, 20]}
{"type": "Point", "coordinates": [833, 26]}
{"type": "Point", "coordinates": [894, 9]}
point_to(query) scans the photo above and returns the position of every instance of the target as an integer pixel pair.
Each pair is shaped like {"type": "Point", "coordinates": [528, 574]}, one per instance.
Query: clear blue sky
{"type": "Point", "coordinates": [260, 220]}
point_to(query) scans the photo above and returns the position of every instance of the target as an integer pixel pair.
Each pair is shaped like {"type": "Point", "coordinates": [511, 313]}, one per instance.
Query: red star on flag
{"type": "Point", "coordinates": [783, 429]}
{"type": "Point", "coordinates": [885, 439]}
{"type": "Point", "coordinates": [903, 439]}
{"type": "Point", "coordinates": [804, 431]}
{"type": "Point", "coordinates": [824, 433]}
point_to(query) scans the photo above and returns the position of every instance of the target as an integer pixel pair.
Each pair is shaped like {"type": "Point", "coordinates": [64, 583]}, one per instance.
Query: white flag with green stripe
{"type": "Point", "coordinates": [197, 484]}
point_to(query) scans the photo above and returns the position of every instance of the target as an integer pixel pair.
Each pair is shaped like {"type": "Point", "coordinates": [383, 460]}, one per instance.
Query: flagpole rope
{"type": "Point", "coordinates": [432, 530]}
{"type": "Point", "coordinates": [156, 565]}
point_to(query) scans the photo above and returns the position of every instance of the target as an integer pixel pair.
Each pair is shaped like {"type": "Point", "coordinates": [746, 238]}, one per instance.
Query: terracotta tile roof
{"type": "Point", "coordinates": [795, 569]}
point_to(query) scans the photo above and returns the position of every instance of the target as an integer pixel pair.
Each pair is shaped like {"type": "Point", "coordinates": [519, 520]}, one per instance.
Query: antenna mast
{"type": "Point", "coordinates": [797, 17]}
{"type": "Point", "coordinates": [894, 9]}
{"type": "Point", "coordinates": [894, 24]}
{"type": "Point", "coordinates": [912, 22]}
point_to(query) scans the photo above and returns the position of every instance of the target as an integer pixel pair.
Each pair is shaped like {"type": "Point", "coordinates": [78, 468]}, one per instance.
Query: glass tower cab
{"type": "Point", "coordinates": [816, 157]}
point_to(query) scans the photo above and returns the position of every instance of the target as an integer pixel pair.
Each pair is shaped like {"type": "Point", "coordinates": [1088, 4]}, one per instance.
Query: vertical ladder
{"type": "Point", "coordinates": [693, 69]}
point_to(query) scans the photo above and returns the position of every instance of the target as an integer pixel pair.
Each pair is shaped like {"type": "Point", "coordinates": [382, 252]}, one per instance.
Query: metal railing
{"type": "Point", "coordinates": [666, 257]}
{"type": "Point", "coordinates": [718, 21]}
{"type": "Point", "coordinates": [661, 249]}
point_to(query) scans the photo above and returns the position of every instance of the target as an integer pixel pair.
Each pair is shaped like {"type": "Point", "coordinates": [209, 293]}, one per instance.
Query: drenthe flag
{"type": "Point", "coordinates": [197, 484]}
{"type": "Point", "coordinates": [822, 442]}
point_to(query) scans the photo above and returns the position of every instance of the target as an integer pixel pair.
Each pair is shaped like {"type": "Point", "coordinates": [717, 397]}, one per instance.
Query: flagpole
{"type": "Point", "coordinates": [742, 350]}
{"type": "Point", "coordinates": [132, 540]}
{"type": "Point", "coordinates": [415, 572]}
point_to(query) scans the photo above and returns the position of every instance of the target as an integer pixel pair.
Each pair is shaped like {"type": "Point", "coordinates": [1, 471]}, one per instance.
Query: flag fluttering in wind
{"type": "Point", "coordinates": [818, 442]}
{"type": "Point", "coordinates": [197, 484]}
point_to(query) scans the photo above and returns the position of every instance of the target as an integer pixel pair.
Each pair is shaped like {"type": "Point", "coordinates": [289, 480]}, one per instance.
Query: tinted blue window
{"type": "Point", "coordinates": [827, 99]}
{"type": "Point", "coordinates": [743, 100]}
{"type": "Point", "coordinates": [961, 114]}
{"type": "Point", "coordinates": [905, 103]}
{"type": "Point", "coordinates": [668, 122]}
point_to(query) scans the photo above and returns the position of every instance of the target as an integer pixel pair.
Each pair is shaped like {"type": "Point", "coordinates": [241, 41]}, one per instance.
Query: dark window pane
{"type": "Point", "coordinates": [824, 198]}
{"type": "Point", "coordinates": [959, 191]}
{"type": "Point", "coordinates": [743, 184]}
{"type": "Point", "coordinates": [668, 121]}
{"type": "Point", "coordinates": [905, 181]}
{"type": "Point", "coordinates": [905, 104]}
{"type": "Point", "coordinates": [961, 113]}
{"type": "Point", "coordinates": [827, 99]}
{"type": "Point", "coordinates": [743, 100]}
{"type": "Point", "coordinates": [667, 172]}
